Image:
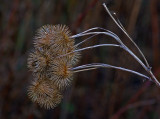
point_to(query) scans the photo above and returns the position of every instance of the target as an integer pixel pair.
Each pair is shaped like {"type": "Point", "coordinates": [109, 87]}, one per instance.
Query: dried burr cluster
{"type": "Point", "coordinates": [51, 70]}
{"type": "Point", "coordinates": [55, 55]}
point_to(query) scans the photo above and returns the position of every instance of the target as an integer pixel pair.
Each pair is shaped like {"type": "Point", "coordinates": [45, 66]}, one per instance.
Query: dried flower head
{"type": "Point", "coordinates": [56, 36]}
{"type": "Point", "coordinates": [45, 93]}
{"type": "Point", "coordinates": [44, 36]}
{"type": "Point", "coordinates": [57, 40]}
{"type": "Point", "coordinates": [38, 62]}
{"type": "Point", "coordinates": [61, 73]}
{"type": "Point", "coordinates": [51, 63]}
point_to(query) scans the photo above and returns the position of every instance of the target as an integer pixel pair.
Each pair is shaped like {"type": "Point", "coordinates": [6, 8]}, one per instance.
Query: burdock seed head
{"type": "Point", "coordinates": [57, 40]}
{"type": "Point", "coordinates": [57, 36]}
{"type": "Point", "coordinates": [38, 61]}
{"type": "Point", "coordinates": [45, 93]}
{"type": "Point", "coordinates": [51, 62]}
{"type": "Point", "coordinates": [61, 73]}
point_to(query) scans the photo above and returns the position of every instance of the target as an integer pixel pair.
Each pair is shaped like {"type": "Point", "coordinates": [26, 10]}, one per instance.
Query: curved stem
{"type": "Point", "coordinates": [125, 48]}
{"type": "Point", "coordinates": [148, 68]}
{"type": "Point", "coordinates": [90, 47]}
{"type": "Point", "coordinates": [84, 40]}
{"type": "Point", "coordinates": [84, 70]}
{"type": "Point", "coordinates": [118, 40]}
{"type": "Point", "coordinates": [94, 28]}
{"type": "Point", "coordinates": [122, 45]}
{"type": "Point", "coordinates": [91, 29]}
{"type": "Point", "coordinates": [99, 65]}
{"type": "Point", "coordinates": [154, 78]}
{"type": "Point", "coordinates": [108, 33]}
{"type": "Point", "coordinates": [124, 31]}
{"type": "Point", "coordinates": [95, 46]}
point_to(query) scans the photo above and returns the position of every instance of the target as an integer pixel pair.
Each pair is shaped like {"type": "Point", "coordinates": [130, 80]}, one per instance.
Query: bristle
{"type": "Point", "coordinates": [57, 40]}
{"type": "Point", "coordinates": [56, 36]}
{"type": "Point", "coordinates": [71, 57]}
{"type": "Point", "coordinates": [43, 37]}
{"type": "Point", "coordinates": [45, 93]}
{"type": "Point", "coordinates": [61, 73]}
{"type": "Point", "coordinates": [49, 66]}
{"type": "Point", "coordinates": [38, 62]}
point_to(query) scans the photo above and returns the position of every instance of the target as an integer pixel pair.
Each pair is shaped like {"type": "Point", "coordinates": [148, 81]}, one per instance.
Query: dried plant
{"type": "Point", "coordinates": [51, 72]}
{"type": "Point", "coordinates": [45, 93]}
{"type": "Point", "coordinates": [55, 55]}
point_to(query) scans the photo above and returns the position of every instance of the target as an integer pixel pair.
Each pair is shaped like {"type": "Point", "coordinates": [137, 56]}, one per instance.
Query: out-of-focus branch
{"type": "Point", "coordinates": [155, 32]}
{"type": "Point", "coordinates": [134, 105]}
{"type": "Point", "coordinates": [133, 16]}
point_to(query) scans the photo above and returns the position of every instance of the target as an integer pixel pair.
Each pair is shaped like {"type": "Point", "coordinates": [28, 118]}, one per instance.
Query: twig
{"type": "Point", "coordinates": [100, 65]}
{"type": "Point", "coordinates": [90, 47]}
{"type": "Point", "coordinates": [124, 31]}
{"type": "Point", "coordinates": [135, 105]}
{"type": "Point", "coordinates": [121, 44]}
{"type": "Point", "coordinates": [118, 40]}
{"type": "Point", "coordinates": [155, 32]}
{"type": "Point", "coordinates": [148, 69]}
{"type": "Point", "coordinates": [131, 100]}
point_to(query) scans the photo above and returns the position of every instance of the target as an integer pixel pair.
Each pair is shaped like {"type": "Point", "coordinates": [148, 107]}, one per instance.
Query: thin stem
{"type": "Point", "coordinates": [90, 47]}
{"type": "Point", "coordinates": [118, 40]}
{"type": "Point", "coordinates": [99, 65]}
{"type": "Point", "coordinates": [91, 29]}
{"type": "Point", "coordinates": [124, 31]}
{"type": "Point", "coordinates": [108, 33]}
{"type": "Point", "coordinates": [84, 70]}
{"type": "Point", "coordinates": [85, 40]}
{"type": "Point", "coordinates": [122, 45]}
{"type": "Point", "coordinates": [135, 57]}
{"type": "Point", "coordinates": [93, 33]}
{"type": "Point", "coordinates": [118, 21]}
{"type": "Point", "coordinates": [95, 46]}
{"type": "Point", "coordinates": [154, 78]}
{"type": "Point", "coordinates": [94, 28]}
{"type": "Point", "coordinates": [126, 49]}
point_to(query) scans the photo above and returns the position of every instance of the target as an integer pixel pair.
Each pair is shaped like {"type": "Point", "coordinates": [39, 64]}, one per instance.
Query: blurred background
{"type": "Point", "coordinates": [96, 94]}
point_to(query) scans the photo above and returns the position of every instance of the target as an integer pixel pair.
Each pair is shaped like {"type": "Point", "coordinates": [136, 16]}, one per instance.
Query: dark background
{"type": "Point", "coordinates": [96, 94]}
